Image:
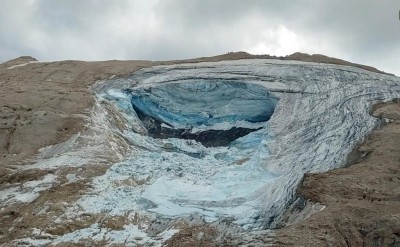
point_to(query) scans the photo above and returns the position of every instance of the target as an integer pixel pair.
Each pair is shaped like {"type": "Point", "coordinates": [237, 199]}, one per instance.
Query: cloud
{"type": "Point", "coordinates": [363, 31]}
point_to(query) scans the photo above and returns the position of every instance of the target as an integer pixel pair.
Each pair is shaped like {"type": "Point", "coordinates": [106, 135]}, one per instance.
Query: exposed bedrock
{"type": "Point", "coordinates": [257, 126]}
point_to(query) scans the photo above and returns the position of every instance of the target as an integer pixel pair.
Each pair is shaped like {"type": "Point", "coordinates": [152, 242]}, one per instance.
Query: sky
{"type": "Point", "coordinates": [361, 31]}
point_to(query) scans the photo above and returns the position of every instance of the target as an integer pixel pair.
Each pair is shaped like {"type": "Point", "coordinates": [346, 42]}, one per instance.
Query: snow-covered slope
{"type": "Point", "coordinates": [319, 113]}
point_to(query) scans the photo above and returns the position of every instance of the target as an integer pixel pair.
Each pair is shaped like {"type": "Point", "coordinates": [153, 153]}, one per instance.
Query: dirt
{"type": "Point", "coordinates": [43, 104]}
{"type": "Point", "coordinates": [194, 236]}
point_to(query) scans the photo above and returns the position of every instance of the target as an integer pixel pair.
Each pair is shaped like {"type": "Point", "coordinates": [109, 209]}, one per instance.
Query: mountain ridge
{"type": "Point", "coordinates": [297, 56]}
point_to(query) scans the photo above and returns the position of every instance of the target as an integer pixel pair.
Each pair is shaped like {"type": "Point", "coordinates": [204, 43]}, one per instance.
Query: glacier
{"type": "Point", "coordinates": [230, 141]}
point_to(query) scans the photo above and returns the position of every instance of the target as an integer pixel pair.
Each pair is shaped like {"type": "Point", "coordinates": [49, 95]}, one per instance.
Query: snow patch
{"type": "Point", "coordinates": [26, 192]}
{"type": "Point", "coordinates": [21, 65]}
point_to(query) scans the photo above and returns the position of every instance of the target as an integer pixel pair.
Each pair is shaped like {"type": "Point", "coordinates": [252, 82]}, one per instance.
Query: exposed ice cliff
{"type": "Point", "coordinates": [278, 119]}
{"type": "Point", "coordinates": [212, 112]}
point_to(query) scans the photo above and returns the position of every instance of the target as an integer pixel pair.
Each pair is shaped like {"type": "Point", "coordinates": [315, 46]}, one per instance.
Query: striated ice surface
{"type": "Point", "coordinates": [305, 117]}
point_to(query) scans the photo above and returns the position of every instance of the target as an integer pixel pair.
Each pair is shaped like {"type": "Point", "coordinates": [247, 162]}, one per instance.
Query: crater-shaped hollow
{"type": "Point", "coordinates": [213, 113]}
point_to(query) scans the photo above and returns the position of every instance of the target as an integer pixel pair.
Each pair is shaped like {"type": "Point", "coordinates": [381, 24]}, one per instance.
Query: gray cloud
{"type": "Point", "coordinates": [363, 31]}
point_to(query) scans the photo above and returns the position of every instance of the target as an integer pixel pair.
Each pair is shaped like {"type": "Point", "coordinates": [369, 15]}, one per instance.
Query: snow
{"type": "Point", "coordinates": [131, 235]}
{"type": "Point", "coordinates": [26, 192]}
{"type": "Point", "coordinates": [26, 197]}
{"type": "Point", "coordinates": [31, 242]}
{"type": "Point", "coordinates": [49, 178]}
{"type": "Point", "coordinates": [7, 192]}
{"type": "Point", "coordinates": [71, 178]}
{"type": "Point", "coordinates": [21, 65]}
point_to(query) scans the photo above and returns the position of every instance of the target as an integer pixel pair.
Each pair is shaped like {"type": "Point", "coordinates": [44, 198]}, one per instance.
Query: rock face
{"type": "Point", "coordinates": [122, 161]}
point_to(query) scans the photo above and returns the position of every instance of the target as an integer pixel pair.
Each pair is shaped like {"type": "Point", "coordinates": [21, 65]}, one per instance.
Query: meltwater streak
{"type": "Point", "coordinates": [321, 114]}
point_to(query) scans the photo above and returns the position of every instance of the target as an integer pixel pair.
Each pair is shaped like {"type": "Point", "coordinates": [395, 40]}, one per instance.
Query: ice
{"type": "Point", "coordinates": [26, 197]}
{"type": "Point", "coordinates": [204, 103]}
{"type": "Point", "coordinates": [7, 193]}
{"type": "Point", "coordinates": [311, 116]}
{"type": "Point", "coordinates": [228, 125]}
{"type": "Point", "coordinates": [130, 235]}
{"type": "Point", "coordinates": [31, 242]}
{"type": "Point", "coordinates": [35, 184]}
{"type": "Point", "coordinates": [26, 192]}
{"type": "Point", "coordinates": [71, 178]}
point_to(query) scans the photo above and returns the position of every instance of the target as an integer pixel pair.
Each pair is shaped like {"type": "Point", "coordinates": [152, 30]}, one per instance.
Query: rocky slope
{"type": "Point", "coordinates": [51, 105]}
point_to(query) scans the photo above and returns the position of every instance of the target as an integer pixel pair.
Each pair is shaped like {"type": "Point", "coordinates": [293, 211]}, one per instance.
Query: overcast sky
{"type": "Point", "coordinates": [362, 31]}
